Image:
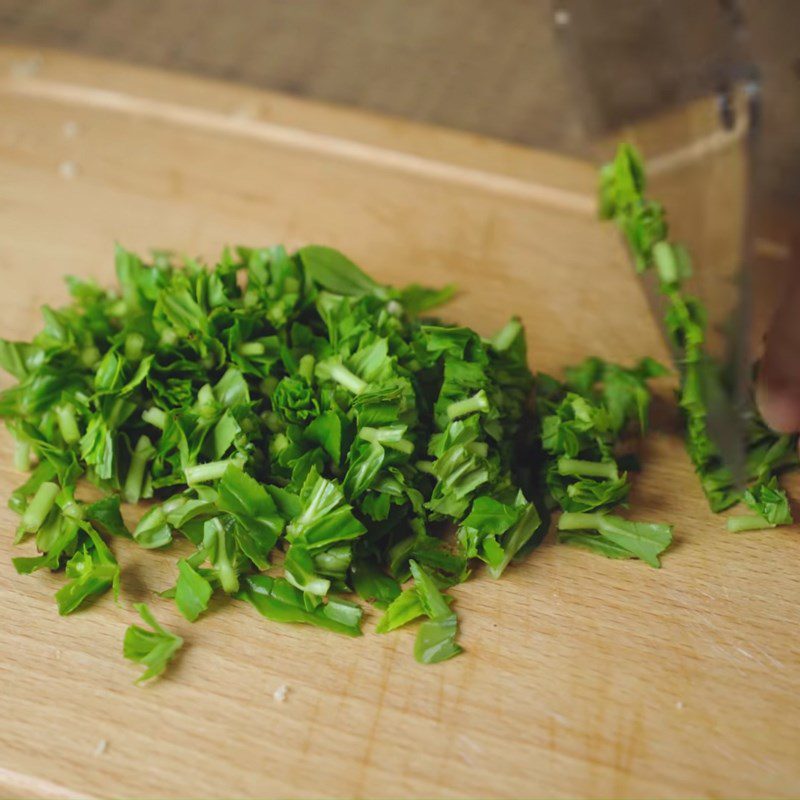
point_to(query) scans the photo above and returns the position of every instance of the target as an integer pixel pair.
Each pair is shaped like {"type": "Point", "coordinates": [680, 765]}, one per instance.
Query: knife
{"type": "Point", "coordinates": [691, 99]}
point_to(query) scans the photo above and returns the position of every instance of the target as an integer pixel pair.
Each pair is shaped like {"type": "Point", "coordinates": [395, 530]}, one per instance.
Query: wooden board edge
{"type": "Point", "coordinates": [439, 154]}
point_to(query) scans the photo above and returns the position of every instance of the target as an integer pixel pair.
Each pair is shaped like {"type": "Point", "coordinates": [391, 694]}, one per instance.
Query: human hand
{"type": "Point", "coordinates": [778, 383]}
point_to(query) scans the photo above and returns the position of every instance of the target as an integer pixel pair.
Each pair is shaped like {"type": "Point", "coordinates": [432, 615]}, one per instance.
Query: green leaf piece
{"type": "Point", "coordinates": [279, 601]}
{"type": "Point", "coordinates": [644, 540]}
{"type": "Point", "coordinates": [192, 592]}
{"type": "Point", "coordinates": [153, 648]}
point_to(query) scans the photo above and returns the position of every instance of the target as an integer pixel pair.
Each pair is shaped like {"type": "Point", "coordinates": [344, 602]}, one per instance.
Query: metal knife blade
{"type": "Point", "coordinates": [701, 161]}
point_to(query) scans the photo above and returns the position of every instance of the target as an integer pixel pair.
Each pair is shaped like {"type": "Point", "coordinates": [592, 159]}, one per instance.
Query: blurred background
{"type": "Point", "coordinates": [495, 67]}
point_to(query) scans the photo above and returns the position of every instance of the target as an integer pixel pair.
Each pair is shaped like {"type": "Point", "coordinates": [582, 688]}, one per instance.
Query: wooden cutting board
{"type": "Point", "coordinates": [581, 676]}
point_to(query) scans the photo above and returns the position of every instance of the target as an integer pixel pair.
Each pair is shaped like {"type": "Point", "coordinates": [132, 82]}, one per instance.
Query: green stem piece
{"type": "Point", "coordinates": [143, 452]}
{"type": "Point", "coordinates": [39, 507]}
{"type": "Point", "coordinates": [588, 469]}
{"type": "Point", "coordinates": [67, 424]}
{"type": "Point", "coordinates": [505, 337]}
{"type": "Point", "coordinates": [747, 522]}
{"type": "Point", "coordinates": [349, 380]}
{"type": "Point", "coordinates": [22, 455]}
{"type": "Point", "coordinates": [251, 349]}
{"type": "Point", "coordinates": [155, 417]}
{"type": "Point", "coordinates": [460, 408]}
{"type": "Point", "coordinates": [579, 521]}
{"type": "Point", "coordinates": [210, 471]}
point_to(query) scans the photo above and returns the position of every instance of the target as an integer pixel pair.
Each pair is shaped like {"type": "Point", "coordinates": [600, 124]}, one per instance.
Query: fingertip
{"type": "Point", "coordinates": [779, 405]}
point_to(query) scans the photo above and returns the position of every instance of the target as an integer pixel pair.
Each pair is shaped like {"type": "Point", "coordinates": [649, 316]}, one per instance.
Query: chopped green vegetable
{"type": "Point", "coordinates": [585, 422]}
{"type": "Point", "coordinates": [39, 507]}
{"type": "Point", "coordinates": [93, 570]}
{"type": "Point", "coordinates": [644, 540]}
{"type": "Point", "coordinates": [311, 436]}
{"type": "Point", "coordinates": [373, 585]}
{"type": "Point", "coordinates": [644, 225]}
{"type": "Point", "coordinates": [436, 637]}
{"type": "Point", "coordinates": [192, 592]}
{"type": "Point", "coordinates": [769, 504]}
{"type": "Point", "coordinates": [277, 600]}
{"type": "Point", "coordinates": [405, 608]}
{"type": "Point", "coordinates": [153, 648]}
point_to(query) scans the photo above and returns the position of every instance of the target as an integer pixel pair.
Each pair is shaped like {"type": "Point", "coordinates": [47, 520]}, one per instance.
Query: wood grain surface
{"type": "Point", "coordinates": [581, 677]}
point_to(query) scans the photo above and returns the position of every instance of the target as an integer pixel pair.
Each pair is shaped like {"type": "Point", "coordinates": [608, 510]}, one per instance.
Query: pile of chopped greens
{"type": "Point", "coordinates": [307, 430]}
{"type": "Point", "coordinates": [316, 437]}
{"type": "Point", "coordinates": [644, 226]}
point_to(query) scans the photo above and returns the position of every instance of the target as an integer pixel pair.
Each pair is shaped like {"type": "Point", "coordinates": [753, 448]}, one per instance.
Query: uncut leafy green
{"type": "Point", "coordinates": [644, 225]}
{"type": "Point", "coordinates": [275, 404]}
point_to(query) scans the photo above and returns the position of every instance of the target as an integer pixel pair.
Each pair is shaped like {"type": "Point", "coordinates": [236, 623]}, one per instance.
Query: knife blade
{"type": "Point", "coordinates": [691, 100]}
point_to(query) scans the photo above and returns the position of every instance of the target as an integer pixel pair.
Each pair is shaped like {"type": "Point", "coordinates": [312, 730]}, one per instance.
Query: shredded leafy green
{"type": "Point", "coordinates": [278, 600]}
{"type": "Point", "coordinates": [312, 436]}
{"type": "Point", "coordinates": [643, 223]}
{"type": "Point", "coordinates": [275, 404]}
{"type": "Point", "coordinates": [585, 422]}
{"type": "Point", "coordinates": [193, 590]}
{"type": "Point", "coordinates": [436, 637]}
{"type": "Point", "coordinates": [618, 537]}
{"type": "Point", "coordinates": [770, 508]}
{"type": "Point", "coordinates": [153, 648]}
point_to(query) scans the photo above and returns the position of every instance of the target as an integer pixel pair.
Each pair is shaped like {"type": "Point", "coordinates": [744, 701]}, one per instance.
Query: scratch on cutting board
{"type": "Point", "coordinates": [772, 660]}
{"type": "Point", "coordinates": [249, 110]}
{"type": "Point", "coordinates": [19, 784]}
{"type": "Point", "coordinates": [312, 727]}
{"type": "Point", "coordinates": [439, 705]}
{"type": "Point", "coordinates": [349, 679]}
{"type": "Point", "coordinates": [724, 650]}
{"type": "Point", "coordinates": [469, 751]}
{"type": "Point", "coordinates": [723, 751]}
{"type": "Point", "coordinates": [746, 654]}
{"type": "Point", "coordinates": [707, 628]}
{"type": "Point", "coordinates": [767, 248]}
